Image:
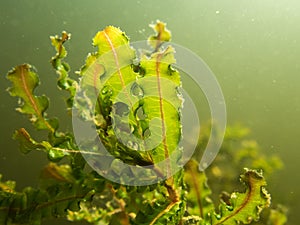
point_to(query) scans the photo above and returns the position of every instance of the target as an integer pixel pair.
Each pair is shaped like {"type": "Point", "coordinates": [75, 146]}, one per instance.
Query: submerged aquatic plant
{"type": "Point", "coordinates": [68, 189]}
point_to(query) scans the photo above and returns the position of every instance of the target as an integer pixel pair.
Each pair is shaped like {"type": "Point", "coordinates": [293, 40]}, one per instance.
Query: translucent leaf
{"type": "Point", "coordinates": [25, 80]}
{"type": "Point", "coordinates": [27, 144]}
{"type": "Point", "coordinates": [162, 34]}
{"type": "Point", "coordinates": [7, 186]}
{"type": "Point", "coordinates": [198, 196]}
{"type": "Point", "coordinates": [278, 216]}
{"type": "Point", "coordinates": [140, 106]}
{"type": "Point", "coordinates": [62, 173]}
{"type": "Point", "coordinates": [157, 207]}
{"type": "Point", "coordinates": [58, 192]}
{"type": "Point", "coordinates": [106, 74]}
{"type": "Point", "coordinates": [244, 207]}
{"type": "Point", "coordinates": [62, 68]}
{"type": "Point", "coordinates": [161, 105]}
{"type": "Point", "coordinates": [137, 117]}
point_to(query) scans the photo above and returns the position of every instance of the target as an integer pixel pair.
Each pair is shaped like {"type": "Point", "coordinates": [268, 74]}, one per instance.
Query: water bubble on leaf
{"type": "Point", "coordinates": [20, 101]}
{"type": "Point", "coordinates": [135, 146]}
{"type": "Point", "coordinates": [229, 207]}
{"type": "Point", "coordinates": [233, 195]}
{"type": "Point", "coordinates": [218, 216]}
{"type": "Point", "coordinates": [136, 65]}
{"type": "Point", "coordinates": [147, 133]}
{"type": "Point", "coordinates": [140, 114]}
{"type": "Point", "coordinates": [179, 93]}
{"type": "Point", "coordinates": [105, 90]}
{"type": "Point", "coordinates": [131, 128]}
{"type": "Point", "coordinates": [33, 118]}
{"type": "Point", "coordinates": [95, 148]}
{"type": "Point", "coordinates": [132, 145]}
{"type": "Point", "coordinates": [99, 120]}
{"type": "Point", "coordinates": [142, 71]}
{"type": "Point", "coordinates": [136, 90]}
{"type": "Point", "coordinates": [171, 70]}
{"type": "Point", "coordinates": [121, 109]}
{"type": "Point", "coordinates": [55, 155]}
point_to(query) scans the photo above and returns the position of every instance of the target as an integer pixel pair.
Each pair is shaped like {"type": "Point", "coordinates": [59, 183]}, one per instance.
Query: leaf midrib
{"type": "Point", "coordinates": [248, 198]}
{"type": "Point", "coordinates": [32, 101]}
{"type": "Point", "coordinates": [162, 114]}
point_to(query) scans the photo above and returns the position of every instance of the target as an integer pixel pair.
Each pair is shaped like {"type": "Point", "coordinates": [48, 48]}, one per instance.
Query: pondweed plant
{"type": "Point", "coordinates": [72, 190]}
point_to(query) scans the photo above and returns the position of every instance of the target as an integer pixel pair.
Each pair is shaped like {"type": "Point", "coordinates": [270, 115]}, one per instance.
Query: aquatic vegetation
{"type": "Point", "coordinates": [72, 190]}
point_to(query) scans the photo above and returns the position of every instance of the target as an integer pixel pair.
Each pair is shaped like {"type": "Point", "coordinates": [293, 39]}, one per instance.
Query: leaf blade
{"type": "Point", "coordinates": [161, 84]}
{"type": "Point", "coordinates": [198, 196]}
{"type": "Point", "coordinates": [245, 207]}
{"type": "Point", "coordinates": [62, 68]}
{"type": "Point", "coordinates": [25, 80]}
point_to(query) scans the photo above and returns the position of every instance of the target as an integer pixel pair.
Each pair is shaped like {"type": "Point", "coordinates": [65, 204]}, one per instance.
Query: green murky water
{"type": "Point", "coordinates": [253, 48]}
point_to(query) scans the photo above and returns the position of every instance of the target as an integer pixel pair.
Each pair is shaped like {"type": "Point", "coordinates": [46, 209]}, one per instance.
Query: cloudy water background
{"type": "Point", "coordinates": [253, 48]}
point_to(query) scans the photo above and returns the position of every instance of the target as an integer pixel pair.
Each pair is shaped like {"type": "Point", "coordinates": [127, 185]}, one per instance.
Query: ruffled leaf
{"type": "Point", "coordinates": [138, 103]}
{"type": "Point", "coordinates": [27, 144]}
{"type": "Point", "coordinates": [244, 207]}
{"type": "Point", "coordinates": [139, 108]}
{"type": "Point", "coordinates": [62, 68]}
{"type": "Point", "coordinates": [162, 34]}
{"type": "Point", "coordinates": [161, 106]}
{"type": "Point", "coordinates": [106, 74]}
{"type": "Point", "coordinates": [59, 192]}
{"type": "Point", "coordinates": [198, 193]}
{"type": "Point", "coordinates": [25, 80]}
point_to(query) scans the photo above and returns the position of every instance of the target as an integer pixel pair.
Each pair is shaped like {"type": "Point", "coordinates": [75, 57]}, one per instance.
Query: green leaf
{"type": "Point", "coordinates": [27, 144]}
{"type": "Point", "coordinates": [140, 105]}
{"type": "Point", "coordinates": [158, 206]}
{"type": "Point", "coordinates": [162, 35]}
{"type": "Point", "coordinates": [137, 117]}
{"type": "Point", "coordinates": [161, 105]}
{"type": "Point", "coordinates": [7, 186]}
{"type": "Point", "coordinates": [106, 74]}
{"type": "Point", "coordinates": [278, 216]}
{"type": "Point", "coordinates": [58, 192]}
{"type": "Point", "coordinates": [25, 80]}
{"type": "Point", "coordinates": [244, 207]}
{"type": "Point", "coordinates": [62, 68]}
{"type": "Point", "coordinates": [141, 111]}
{"type": "Point", "coordinates": [54, 172]}
{"type": "Point", "coordinates": [198, 192]}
